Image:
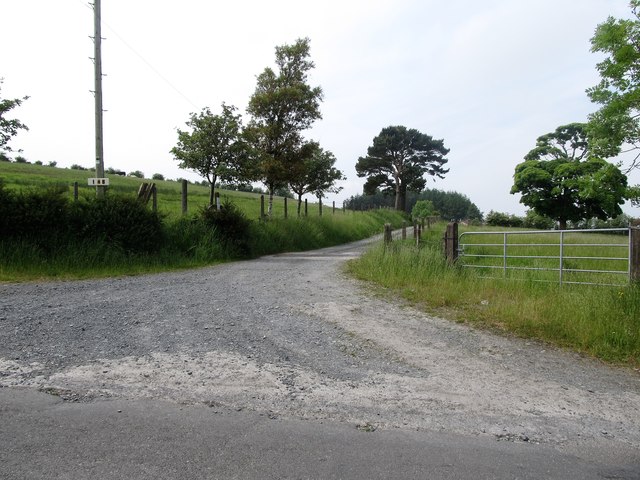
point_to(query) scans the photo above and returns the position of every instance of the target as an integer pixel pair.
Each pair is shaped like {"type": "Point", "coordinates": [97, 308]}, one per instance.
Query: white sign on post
{"type": "Point", "coordinates": [98, 182]}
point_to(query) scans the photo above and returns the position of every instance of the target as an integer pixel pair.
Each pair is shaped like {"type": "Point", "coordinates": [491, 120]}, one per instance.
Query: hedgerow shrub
{"type": "Point", "coordinates": [231, 227]}
{"type": "Point", "coordinates": [121, 222]}
{"type": "Point", "coordinates": [39, 216]}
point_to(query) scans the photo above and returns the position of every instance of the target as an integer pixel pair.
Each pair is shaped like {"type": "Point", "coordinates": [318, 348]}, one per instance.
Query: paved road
{"type": "Point", "coordinates": [283, 367]}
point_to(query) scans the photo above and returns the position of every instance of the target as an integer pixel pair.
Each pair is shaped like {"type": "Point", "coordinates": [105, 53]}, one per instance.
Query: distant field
{"type": "Point", "coordinates": [25, 176]}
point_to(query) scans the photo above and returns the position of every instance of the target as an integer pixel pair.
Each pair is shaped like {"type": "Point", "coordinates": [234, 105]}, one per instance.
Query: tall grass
{"type": "Point", "coordinates": [188, 242]}
{"type": "Point", "coordinates": [601, 321]}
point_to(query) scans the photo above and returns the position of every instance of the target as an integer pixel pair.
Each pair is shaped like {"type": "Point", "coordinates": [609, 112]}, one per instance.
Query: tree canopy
{"type": "Point", "coordinates": [559, 179]}
{"type": "Point", "coordinates": [281, 108]}
{"type": "Point", "coordinates": [9, 127]}
{"type": "Point", "coordinates": [450, 205]}
{"type": "Point", "coordinates": [316, 173]}
{"type": "Point", "coordinates": [214, 147]}
{"type": "Point", "coordinates": [615, 126]}
{"type": "Point", "coordinates": [398, 160]}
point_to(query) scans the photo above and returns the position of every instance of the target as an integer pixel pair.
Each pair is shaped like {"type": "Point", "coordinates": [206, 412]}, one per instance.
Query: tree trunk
{"type": "Point", "coordinates": [562, 224]}
{"type": "Point", "coordinates": [401, 198]}
{"type": "Point", "coordinates": [212, 193]}
{"type": "Point", "coordinates": [270, 207]}
{"type": "Point", "coordinates": [299, 204]}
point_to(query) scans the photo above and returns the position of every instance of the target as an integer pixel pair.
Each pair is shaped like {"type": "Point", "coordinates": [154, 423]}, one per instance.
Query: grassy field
{"type": "Point", "coordinates": [587, 257]}
{"type": "Point", "coordinates": [600, 321]}
{"type": "Point", "coordinates": [28, 176]}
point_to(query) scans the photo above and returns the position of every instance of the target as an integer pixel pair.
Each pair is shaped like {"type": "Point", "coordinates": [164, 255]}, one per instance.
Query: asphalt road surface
{"type": "Point", "coordinates": [283, 367]}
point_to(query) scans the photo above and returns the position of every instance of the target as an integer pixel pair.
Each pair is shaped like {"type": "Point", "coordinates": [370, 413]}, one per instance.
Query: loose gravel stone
{"type": "Point", "coordinates": [291, 336]}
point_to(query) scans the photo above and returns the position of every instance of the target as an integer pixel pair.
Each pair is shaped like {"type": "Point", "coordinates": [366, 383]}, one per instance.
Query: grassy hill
{"type": "Point", "coordinates": [28, 176]}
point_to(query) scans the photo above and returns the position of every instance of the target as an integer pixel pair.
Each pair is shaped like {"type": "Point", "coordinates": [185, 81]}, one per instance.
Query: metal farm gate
{"type": "Point", "coordinates": [585, 257]}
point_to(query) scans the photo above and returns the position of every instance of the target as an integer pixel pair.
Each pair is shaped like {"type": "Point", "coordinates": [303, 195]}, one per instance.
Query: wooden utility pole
{"type": "Point", "coordinates": [97, 62]}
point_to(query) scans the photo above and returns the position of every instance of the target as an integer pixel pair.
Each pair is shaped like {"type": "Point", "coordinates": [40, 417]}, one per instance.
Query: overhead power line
{"type": "Point", "coordinates": [143, 59]}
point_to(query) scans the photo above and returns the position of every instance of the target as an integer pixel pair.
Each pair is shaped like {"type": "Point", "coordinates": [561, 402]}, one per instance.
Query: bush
{"type": "Point", "coordinates": [423, 209]}
{"type": "Point", "coordinates": [52, 164]}
{"type": "Point", "coordinates": [499, 219]}
{"type": "Point", "coordinates": [231, 226]}
{"type": "Point", "coordinates": [122, 222]}
{"type": "Point", "coordinates": [40, 216]}
{"type": "Point", "coordinates": [137, 174]}
{"type": "Point", "coordinates": [21, 159]}
{"type": "Point", "coordinates": [157, 176]}
{"type": "Point", "coordinates": [75, 166]}
{"type": "Point", "coordinates": [538, 222]}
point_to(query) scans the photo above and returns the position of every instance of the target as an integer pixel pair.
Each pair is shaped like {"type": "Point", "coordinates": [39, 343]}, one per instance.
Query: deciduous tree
{"type": "Point", "coordinates": [9, 127]}
{"type": "Point", "coordinates": [214, 147]}
{"type": "Point", "coordinates": [398, 161]}
{"type": "Point", "coordinates": [282, 107]}
{"type": "Point", "coordinates": [560, 180]}
{"type": "Point", "coordinates": [616, 126]}
{"type": "Point", "coordinates": [316, 173]}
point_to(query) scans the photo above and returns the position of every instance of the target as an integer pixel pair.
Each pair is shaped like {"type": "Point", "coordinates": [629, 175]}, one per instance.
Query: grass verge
{"type": "Point", "coordinates": [602, 322]}
{"type": "Point", "coordinates": [187, 243]}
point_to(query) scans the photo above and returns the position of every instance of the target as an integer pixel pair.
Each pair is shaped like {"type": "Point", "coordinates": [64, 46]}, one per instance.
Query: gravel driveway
{"type": "Point", "coordinates": [291, 336]}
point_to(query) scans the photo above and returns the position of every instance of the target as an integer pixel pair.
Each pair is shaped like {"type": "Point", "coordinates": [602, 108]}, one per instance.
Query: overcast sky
{"type": "Point", "coordinates": [486, 76]}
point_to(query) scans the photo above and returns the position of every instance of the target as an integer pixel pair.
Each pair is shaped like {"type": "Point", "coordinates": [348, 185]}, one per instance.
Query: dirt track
{"type": "Point", "coordinates": [291, 336]}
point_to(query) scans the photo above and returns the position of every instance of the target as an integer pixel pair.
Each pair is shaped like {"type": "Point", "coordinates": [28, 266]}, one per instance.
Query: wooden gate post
{"type": "Point", "coordinates": [184, 197]}
{"type": "Point", "coordinates": [285, 207]}
{"type": "Point", "coordinates": [451, 242]}
{"type": "Point", "coordinates": [261, 207]}
{"type": "Point", "coordinates": [305, 208]}
{"type": "Point", "coordinates": [154, 197]}
{"type": "Point", "coordinates": [387, 233]}
{"type": "Point", "coordinates": [634, 254]}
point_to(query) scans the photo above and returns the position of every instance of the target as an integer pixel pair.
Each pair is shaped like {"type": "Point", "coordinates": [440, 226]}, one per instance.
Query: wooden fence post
{"type": "Point", "coordinates": [634, 254]}
{"type": "Point", "coordinates": [285, 207]}
{"type": "Point", "coordinates": [451, 242]}
{"type": "Point", "coordinates": [404, 230]}
{"type": "Point", "coordinates": [261, 207]}
{"type": "Point", "coordinates": [305, 208]}
{"type": "Point", "coordinates": [154, 197]}
{"type": "Point", "coordinates": [387, 233]}
{"type": "Point", "coordinates": [415, 229]}
{"type": "Point", "coordinates": [75, 191]}
{"type": "Point", "coordinates": [418, 235]}
{"type": "Point", "coordinates": [320, 207]}
{"type": "Point", "coordinates": [334, 207]}
{"type": "Point", "coordinates": [184, 197]}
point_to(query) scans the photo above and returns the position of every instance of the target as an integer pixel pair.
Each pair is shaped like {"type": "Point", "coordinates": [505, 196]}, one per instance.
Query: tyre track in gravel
{"type": "Point", "coordinates": [291, 336]}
